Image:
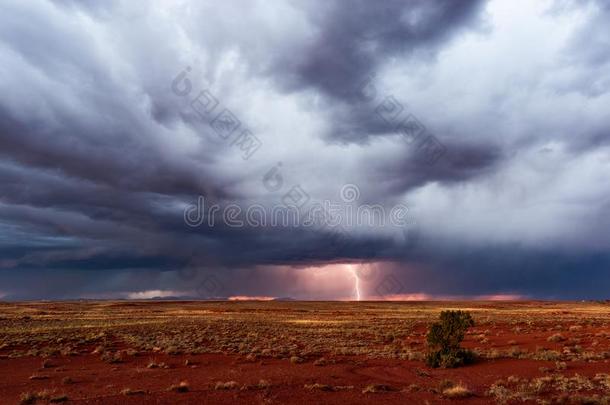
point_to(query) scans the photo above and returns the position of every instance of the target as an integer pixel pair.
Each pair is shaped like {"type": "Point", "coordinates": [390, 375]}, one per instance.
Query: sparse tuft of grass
{"type": "Point", "coordinates": [154, 364]}
{"type": "Point", "coordinates": [44, 395]}
{"type": "Point", "coordinates": [457, 391]}
{"type": "Point", "coordinates": [67, 380]}
{"type": "Point", "coordinates": [319, 387]}
{"type": "Point", "coordinates": [444, 384]}
{"type": "Point", "coordinates": [182, 387]}
{"type": "Point", "coordinates": [320, 362]}
{"type": "Point", "coordinates": [59, 398]}
{"type": "Point", "coordinates": [262, 384]}
{"type": "Point", "coordinates": [112, 358]}
{"type": "Point", "coordinates": [557, 337]}
{"type": "Point", "coordinates": [376, 388]}
{"type": "Point", "coordinates": [547, 355]}
{"type": "Point", "coordinates": [229, 385]}
{"type": "Point", "coordinates": [328, 388]}
{"type": "Point", "coordinates": [129, 391]}
{"type": "Point", "coordinates": [27, 398]}
{"type": "Point", "coordinates": [172, 350]}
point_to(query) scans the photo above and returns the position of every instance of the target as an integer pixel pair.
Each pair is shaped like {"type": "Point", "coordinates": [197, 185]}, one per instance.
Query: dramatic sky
{"type": "Point", "coordinates": [484, 124]}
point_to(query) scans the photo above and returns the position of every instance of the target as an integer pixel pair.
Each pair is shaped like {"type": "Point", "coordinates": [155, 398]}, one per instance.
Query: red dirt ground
{"type": "Point", "coordinates": [97, 382]}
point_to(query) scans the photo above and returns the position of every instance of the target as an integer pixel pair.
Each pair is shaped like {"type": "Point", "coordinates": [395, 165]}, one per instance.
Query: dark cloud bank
{"type": "Point", "coordinates": [508, 186]}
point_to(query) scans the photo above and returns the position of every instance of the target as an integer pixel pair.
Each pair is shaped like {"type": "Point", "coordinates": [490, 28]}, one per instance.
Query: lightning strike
{"type": "Point", "coordinates": [351, 269]}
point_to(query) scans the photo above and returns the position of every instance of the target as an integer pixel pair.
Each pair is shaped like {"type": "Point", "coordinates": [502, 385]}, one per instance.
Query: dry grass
{"type": "Point", "coordinates": [457, 391]}
{"type": "Point", "coordinates": [251, 329]}
{"type": "Point", "coordinates": [327, 388]}
{"type": "Point", "coordinates": [261, 385]}
{"type": "Point", "coordinates": [129, 391]}
{"type": "Point", "coordinates": [39, 377]}
{"type": "Point", "coordinates": [154, 364]}
{"type": "Point", "coordinates": [58, 399]}
{"type": "Point", "coordinates": [183, 386]}
{"type": "Point", "coordinates": [67, 380]}
{"type": "Point", "coordinates": [561, 333]}
{"type": "Point", "coordinates": [114, 357]}
{"type": "Point", "coordinates": [229, 385]}
{"type": "Point", "coordinates": [561, 389]}
{"type": "Point", "coordinates": [319, 387]}
{"type": "Point", "coordinates": [27, 398]}
{"type": "Point", "coordinates": [377, 388]}
{"type": "Point", "coordinates": [557, 337]}
{"type": "Point", "coordinates": [44, 395]}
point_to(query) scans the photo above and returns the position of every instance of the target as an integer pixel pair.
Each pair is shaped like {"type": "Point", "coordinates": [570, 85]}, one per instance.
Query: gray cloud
{"type": "Point", "coordinates": [99, 157]}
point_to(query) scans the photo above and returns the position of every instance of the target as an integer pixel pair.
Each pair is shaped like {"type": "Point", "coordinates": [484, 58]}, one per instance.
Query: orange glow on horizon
{"type": "Point", "coordinates": [251, 298]}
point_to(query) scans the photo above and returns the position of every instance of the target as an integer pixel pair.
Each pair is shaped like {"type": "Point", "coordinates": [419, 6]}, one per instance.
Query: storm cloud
{"type": "Point", "coordinates": [488, 120]}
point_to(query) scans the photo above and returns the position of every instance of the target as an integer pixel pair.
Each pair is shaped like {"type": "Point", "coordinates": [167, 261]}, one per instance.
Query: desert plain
{"type": "Point", "coordinates": [288, 352]}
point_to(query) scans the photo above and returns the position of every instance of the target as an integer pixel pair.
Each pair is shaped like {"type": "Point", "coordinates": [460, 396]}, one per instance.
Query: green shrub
{"type": "Point", "coordinates": [444, 338]}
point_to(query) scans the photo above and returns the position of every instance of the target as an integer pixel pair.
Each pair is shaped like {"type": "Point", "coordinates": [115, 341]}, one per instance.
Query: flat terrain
{"type": "Point", "coordinates": [138, 352]}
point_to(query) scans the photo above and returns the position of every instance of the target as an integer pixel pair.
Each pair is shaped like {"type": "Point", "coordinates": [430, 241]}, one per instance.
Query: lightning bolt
{"type": "Point", "coordinates": [351, 269]}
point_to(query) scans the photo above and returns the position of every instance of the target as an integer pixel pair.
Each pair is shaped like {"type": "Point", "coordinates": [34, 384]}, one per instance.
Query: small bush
{"type": "Point", "coordinates": [444, 338]}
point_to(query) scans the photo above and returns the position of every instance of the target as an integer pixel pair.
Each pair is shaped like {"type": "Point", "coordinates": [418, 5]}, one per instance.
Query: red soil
{"type": "Point", "coordinates": [97, 382]}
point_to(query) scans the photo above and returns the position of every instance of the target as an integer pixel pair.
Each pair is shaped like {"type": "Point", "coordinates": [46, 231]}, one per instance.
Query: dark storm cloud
{"type": "Point", "coordinates": [461, 163]}
{"type": "Point", "coordinates": [99, 157]}
{"type": "Point", "coordinates": [353, 41]}
{"type": "Point", "coordinates": [353, 38]}
{"type": "Point", "coordinates": [506, 270]}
